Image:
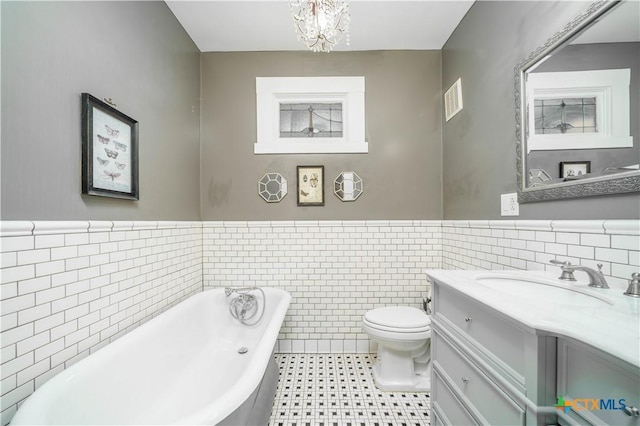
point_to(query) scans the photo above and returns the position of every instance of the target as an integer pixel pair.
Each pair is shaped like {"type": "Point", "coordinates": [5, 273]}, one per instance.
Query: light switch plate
{"type": "Point", "coordinates": [509, 204]}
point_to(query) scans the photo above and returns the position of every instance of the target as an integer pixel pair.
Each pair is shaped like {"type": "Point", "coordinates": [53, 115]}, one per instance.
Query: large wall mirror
{"type": "Point", "coordinates": [577, 107]}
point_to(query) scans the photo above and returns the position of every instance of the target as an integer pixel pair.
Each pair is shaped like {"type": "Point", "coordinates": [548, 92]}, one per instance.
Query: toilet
{"type": "Point", "coordinates": [403, 335]}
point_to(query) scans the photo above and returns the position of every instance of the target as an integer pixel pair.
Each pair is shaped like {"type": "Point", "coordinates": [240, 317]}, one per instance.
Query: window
{"type": "Point", "coordinates": [313, 120]}
{"type": "Point", "coordinates": [578, 110]}
{"type": "Point", "coordinates": [565, 115]}
{"type": "Point", "coordinates": [310, 115]}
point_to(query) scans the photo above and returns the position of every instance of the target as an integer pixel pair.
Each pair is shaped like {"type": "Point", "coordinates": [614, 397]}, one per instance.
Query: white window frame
{"type": "Point", "coordinates": [271, 91]}
{"type": "Point", "coordinates": [611, 90]}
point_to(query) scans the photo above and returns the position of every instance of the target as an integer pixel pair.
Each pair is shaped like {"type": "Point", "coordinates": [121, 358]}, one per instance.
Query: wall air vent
{"type": "Point", "coordinates": [453, 100]}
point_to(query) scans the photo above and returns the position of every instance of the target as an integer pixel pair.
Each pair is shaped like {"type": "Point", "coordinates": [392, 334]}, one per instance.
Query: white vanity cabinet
{"type": "Point", "coordinates": [492, 367]}
{"type": "Point", "coordinates": [486, 365]}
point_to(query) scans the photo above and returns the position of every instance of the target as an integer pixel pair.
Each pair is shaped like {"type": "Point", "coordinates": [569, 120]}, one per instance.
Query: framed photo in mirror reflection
{"type": "Point", "coordinates": [574, 169]}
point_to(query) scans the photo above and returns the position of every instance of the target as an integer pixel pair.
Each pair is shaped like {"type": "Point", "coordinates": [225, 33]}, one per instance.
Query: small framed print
{"type": "Point", "coordinates": [574, 169]}
{"type": "Point", "coordinates": [109, 151]}
{"type": "Point", "coordinates": [311, 185]}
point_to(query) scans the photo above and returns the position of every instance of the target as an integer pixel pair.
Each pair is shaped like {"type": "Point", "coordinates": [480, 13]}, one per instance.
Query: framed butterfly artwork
{"type": "Point", "coordinates": [109, 151]}
{"type": "Point", "coordinates": [310, 185]}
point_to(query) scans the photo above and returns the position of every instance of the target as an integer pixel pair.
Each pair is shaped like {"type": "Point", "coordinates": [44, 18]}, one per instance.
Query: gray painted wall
{"type": "Point", "coordinates": [133, 52]}
{"type": "Point", "coordinates": [137, 54]}
{"type": "Point", "coordinates": [401, 172]}
{"type": "Point", "coordinates": [479, 142]}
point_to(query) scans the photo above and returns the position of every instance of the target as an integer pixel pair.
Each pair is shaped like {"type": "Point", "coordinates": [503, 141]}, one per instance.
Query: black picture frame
{"type": "Point", "coordinates": [109, 151]}
{"type": "Point", "coordinates": [310, 185]}
{"type": "Point", "coordinates": [574, 169]}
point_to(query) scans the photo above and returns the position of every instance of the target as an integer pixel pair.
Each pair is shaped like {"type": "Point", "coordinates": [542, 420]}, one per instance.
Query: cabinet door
{"type": "Point", "coordinates": [597, 384]}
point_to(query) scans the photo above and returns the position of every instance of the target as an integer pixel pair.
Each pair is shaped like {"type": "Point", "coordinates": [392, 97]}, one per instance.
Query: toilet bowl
{"type": "Point", "coordinates": [403, 335]}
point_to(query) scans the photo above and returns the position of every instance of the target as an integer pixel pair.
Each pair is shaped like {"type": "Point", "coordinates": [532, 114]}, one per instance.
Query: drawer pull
{"type": "Point", "coordinates": [631, 411]}
{"type": "Point", "coordinates": [467, 319]}
{"type": "Point", "coordinates": [465, 380]}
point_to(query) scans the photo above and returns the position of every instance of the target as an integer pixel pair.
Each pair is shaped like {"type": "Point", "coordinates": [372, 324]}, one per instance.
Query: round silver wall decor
{"type": "Point", "coordinates": [348, 186]}
{"type": "Point", "coordinates": [272, 187]}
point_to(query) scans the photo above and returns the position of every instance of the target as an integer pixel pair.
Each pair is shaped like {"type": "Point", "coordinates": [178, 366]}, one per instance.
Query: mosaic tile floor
{"type": "Point", "coordinates": [338, 390]}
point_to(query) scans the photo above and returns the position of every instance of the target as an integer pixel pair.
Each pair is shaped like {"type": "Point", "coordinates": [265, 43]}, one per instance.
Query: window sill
{"type": "Point", "coordinates": [311, 148]}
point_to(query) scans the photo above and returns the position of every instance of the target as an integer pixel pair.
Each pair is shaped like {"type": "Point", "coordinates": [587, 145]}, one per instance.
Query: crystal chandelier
{"type": "Point", "coordinates": [321, 24]}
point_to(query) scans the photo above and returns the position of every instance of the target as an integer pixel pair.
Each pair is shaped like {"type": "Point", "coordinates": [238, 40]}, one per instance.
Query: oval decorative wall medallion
{"type": "Point", "coordinates": [348, 186]}
{"type": "Point", "coordinates": [272, 187]}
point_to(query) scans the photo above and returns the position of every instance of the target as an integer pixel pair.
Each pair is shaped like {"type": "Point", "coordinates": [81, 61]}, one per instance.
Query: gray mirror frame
{"type": "Point", "coordinates": [603, 185]}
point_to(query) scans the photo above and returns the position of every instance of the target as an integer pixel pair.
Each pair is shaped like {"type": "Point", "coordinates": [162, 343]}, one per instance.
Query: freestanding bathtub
{"type": "Point", "coordinates": [182, 367]}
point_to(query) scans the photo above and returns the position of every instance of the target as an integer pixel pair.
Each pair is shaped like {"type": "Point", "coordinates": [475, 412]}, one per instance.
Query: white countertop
{"type": "Point", "coordinates": [612, 325]}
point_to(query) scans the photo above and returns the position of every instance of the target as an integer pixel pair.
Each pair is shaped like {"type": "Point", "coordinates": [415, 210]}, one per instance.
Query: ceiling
{"type": "Point", "coordinates": [264, 25]}
{"type": "Point", "coordinates": [620, 24]}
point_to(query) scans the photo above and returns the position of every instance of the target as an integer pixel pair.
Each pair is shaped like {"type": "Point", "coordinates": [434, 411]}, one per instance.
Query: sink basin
{"type": "Point", "coordinates": [540, 288]}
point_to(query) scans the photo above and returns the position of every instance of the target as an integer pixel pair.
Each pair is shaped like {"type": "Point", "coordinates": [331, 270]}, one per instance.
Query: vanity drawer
{"type": "Point", "coordinates": [492, 403]}
{"type": "Point", "coordinates": [449, 409]}
{"type": "Point", "coordinates": [477, 321]}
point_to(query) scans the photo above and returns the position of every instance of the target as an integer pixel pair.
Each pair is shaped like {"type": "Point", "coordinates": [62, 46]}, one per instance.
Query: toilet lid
{"type": "Point", "coordinates": [401, 317]}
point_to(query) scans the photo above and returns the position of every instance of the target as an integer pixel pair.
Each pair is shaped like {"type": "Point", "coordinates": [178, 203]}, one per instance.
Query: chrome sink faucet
{"type": "Point", "coordinates": [596, 278]}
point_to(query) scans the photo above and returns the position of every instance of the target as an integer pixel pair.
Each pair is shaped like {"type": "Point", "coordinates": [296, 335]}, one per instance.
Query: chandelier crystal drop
{"type": "Point", "coordinates": [321, 24]}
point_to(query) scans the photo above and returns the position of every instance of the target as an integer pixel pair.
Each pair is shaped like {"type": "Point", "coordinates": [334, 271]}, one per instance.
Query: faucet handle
{"type": "Point", "coordinates": [567, 270]}
{"type": "Point", "coordinates": [634, 286]}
